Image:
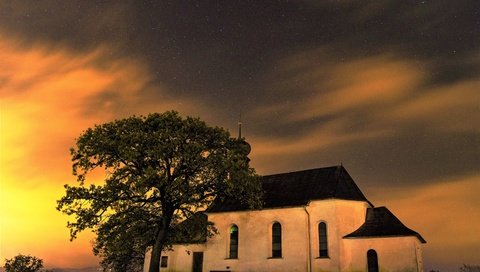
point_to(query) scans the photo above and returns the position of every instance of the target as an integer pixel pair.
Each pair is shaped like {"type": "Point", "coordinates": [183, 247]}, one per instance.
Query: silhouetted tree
{"type": "Point", "coordinates": [23, 263]}
{"type": "Point", "coordinates": [162, 169]}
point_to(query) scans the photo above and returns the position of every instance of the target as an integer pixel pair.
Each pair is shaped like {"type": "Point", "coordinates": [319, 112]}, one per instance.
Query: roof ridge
{"type": "Point", "coordinates": [299, 171]}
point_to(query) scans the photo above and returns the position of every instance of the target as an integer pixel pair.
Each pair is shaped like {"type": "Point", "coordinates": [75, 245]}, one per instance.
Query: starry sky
{"type": "Point", "coordinates": [390, 89]}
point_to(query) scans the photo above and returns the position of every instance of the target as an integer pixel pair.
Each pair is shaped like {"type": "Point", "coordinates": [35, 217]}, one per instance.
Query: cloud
{"type": "Point", "coordinates": [337, 95]}
{"type": "Point", "coordinates": [320, 84]}
{"type": "Point", "coordinates": [45, 93]}
{"type": "Point", "coordinates": [358, 84]}
{"type": "Point", "coordinates": [329, 134]}
{"type": "Point", "coordinates": [54, 94]}
{"type": "Point", "coordinates": [386, 91]}
{"type": "Point", "coordinates": [452, 107]}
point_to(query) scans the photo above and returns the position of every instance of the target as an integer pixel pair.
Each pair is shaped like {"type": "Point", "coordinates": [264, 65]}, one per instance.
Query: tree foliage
{"type": "Point", "coordinates": [162, 169]}
{"type": "Point", "coordinates": [122, 239]}
{"type": "Point", "coordinates": [23, 263]}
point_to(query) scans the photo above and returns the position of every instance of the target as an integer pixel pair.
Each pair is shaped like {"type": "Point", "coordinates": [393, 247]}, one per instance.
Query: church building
{"type": "Point", "coordinates": [311, 220]}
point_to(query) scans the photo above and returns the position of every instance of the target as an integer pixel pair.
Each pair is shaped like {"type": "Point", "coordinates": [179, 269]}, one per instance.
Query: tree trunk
{"type": "Point", "coordinates": [158, 245]}
{"type": "Point", "coordinates": [156, 254]}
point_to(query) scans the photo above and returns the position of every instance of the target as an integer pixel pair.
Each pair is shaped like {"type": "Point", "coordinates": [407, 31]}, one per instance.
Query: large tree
{"type": "Point", "coordinates": [161, 169]}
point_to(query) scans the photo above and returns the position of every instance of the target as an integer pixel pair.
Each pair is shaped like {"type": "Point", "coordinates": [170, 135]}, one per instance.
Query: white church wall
{"type": "Point", "coordinates": [255, 232]}
{"type": "Point", "coordinates": [255, 250]}
{"type": "Point", "coordinates": [180, 258]}
{"type": "Point", "coordinates": [255, 242]}
{"type": "Point", "coordinates": [395, 254]}
{"type": "Point", "coordinates": [341, 217]}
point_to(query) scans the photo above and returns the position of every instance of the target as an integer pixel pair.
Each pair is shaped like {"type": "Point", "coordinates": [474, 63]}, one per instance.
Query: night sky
{"type": "Point", "coordinates": [390, 89]}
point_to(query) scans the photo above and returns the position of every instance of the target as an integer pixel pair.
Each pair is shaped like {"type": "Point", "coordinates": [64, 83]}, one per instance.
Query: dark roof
{"type": "Point", "coordinates": [298, 188]}
{"type": "Point", "coordinates": [380, 222]}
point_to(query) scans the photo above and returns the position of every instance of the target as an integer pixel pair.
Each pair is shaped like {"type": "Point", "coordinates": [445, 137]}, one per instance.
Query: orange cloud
{"type": "Point", "coordinates": [358, 84]}
{"type": "Point", "coordinates": [387, 93]}
{"type": "Point", "coordinates": [444, 108]}
{"type": "Point", "coordinates": [44, 94]}
{"type": "Point", "coordinates": [368, 86]}
{"type": "Point", "coordinates": [327, 135]}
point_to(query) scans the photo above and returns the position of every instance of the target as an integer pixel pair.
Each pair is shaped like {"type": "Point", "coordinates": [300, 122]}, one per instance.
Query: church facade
{"type": "Point", "coordinates": [312, 220]}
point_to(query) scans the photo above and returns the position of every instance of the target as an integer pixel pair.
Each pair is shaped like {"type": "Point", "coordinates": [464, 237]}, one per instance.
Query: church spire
{"type": "Point", "coordinates": [239, 130]}
{"type": "Point", "coordinates": [242, 144]}
{"type": "Point", "coordinates": [240, 127]}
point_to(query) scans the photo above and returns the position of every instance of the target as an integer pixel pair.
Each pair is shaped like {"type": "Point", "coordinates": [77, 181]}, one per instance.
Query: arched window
{"type": "Point", "coordinates": [233, 242]}
{"type": "Point", "coordinates": [372, 261]}
{"type": "Point", "coordinates": [322, 240]}
{"type": "Point", "coordinates": [276, 240]}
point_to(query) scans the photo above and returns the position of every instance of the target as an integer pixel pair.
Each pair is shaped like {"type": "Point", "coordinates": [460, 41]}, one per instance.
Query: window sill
{"type": "Point", "coordinates": [231, 258]}
{"type": "Point", "coordinates": [274, 258]}
{"type": "Point", "coordinates": [323, 257]}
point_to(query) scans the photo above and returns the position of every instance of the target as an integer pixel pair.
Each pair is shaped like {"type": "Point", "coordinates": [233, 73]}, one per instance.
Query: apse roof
{"type": "Point", "coordinates": [299, 188]}
{"type": "Point", "coordinates": [380, 222]}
